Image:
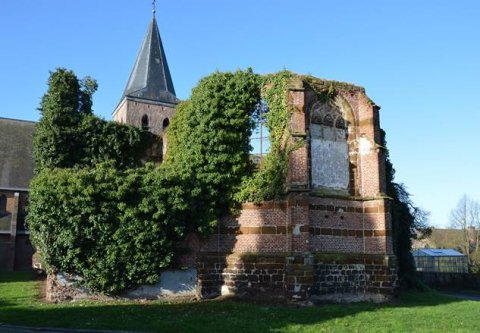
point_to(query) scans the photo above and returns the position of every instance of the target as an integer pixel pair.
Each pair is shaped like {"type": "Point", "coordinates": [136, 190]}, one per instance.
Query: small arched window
{"type": "Point", "coordinates": [166, 122]}
{"type": "Point", "coordinates": [145, 122]}
{"type": "Point", "coordinates": [3, 204]}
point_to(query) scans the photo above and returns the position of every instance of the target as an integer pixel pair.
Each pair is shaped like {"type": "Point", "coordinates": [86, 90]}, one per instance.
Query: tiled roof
{"type": "Point", "coordinates": [16, 153]}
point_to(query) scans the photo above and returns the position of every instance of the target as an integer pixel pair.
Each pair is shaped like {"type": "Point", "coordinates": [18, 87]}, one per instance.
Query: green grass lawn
{"type": "Point", "coordinates": [414, 312]}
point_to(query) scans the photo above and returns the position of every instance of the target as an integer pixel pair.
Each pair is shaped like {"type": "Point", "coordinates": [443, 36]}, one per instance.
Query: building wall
{"type": "Point", "coordinates": [322, 242]}
{"type": "Point", "coordinates": [301, 249]}
{"type": "Point", "coordinates": [325, 243]}
{"type": "Point", "coordinates": [131, 111]}
{"type": "Point", "coordinates": [16, 251]}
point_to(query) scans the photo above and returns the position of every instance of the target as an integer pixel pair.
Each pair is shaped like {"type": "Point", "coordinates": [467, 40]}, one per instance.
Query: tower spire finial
{"type": "Point", "coordinates": [154, 9]}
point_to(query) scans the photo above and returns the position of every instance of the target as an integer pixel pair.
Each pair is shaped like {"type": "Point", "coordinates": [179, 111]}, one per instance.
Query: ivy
{"type": "Point", "coordinates": [208, 143]}
{"type": "Point", "coordinates": [324, 93]}
{"type": "Point", "coordinates": [56, 138]}
{"type": "Point", "coordinates": [68, 134]}
{"type": "Point", "coordinates": [269, 181]}
{"type": "Point", "coordinates": [96, 211]}
{"type": "Point", "coordinates": [113, 228]}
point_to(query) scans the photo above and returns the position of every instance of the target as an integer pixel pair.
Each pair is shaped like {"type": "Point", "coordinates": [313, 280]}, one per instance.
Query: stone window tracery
{"type": "Point", "coordinates": [329, 147]}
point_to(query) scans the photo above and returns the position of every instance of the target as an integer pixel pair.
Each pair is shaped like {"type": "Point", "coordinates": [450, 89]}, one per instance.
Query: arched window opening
{"type": "Point", "coordinates": [3, 205]}
{"type": "Point", "coordinates": [145, 122]}
{"type": "Point", "coordinates": [165, 124]}
{"type": "Point", "coordinates": [260, 138]}
{"type": "Point", "coordinates": [329, 147]}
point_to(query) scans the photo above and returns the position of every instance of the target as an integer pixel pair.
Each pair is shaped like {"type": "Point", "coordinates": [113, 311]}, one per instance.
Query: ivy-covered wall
{"type": "Point", "coordinates": [97, 211]}
{"type": "Point", "coordinates": [108, 202]}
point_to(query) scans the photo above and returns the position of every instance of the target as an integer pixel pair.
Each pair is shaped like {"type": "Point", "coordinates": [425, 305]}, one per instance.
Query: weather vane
{"type": "Point", "coordinates": [154, 10]}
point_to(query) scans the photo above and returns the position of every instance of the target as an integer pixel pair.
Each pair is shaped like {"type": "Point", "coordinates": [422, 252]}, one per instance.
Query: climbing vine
{"type": "Point", "coordinates": [208, 143]}
{"type": "Point", "coordinates": [96, 211]}
{"type": "Point", "coordinates": [69, 135]}
{"type": "Point", "coordinates": [269, 181]}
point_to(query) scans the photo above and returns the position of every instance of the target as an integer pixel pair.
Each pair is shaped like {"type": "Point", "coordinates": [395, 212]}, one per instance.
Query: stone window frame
{"type": "Point", "coordinates": [351, 125]}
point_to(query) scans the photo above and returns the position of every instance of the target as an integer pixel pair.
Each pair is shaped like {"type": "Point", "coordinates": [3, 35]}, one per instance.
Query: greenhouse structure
{"type": "Point", "coordinates": [440, 260]}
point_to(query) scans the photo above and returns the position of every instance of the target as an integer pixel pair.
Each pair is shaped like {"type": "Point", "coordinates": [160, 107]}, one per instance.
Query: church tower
{"type": "Point", "coordinates": [149, 99]}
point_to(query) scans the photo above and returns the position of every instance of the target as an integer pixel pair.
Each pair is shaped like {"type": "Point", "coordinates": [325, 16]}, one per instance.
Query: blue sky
{"type": "Point", "coordinates": [419, 60]}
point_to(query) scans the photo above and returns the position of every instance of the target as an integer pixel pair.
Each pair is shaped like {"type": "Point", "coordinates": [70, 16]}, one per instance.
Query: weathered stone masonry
{"type": "Point", "coordinates": [329, 240]}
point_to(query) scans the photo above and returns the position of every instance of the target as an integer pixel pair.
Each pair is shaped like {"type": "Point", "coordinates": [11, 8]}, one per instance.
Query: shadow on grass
{"type": "Point", "coordinates": [205, 316]}
{"type": "Point", "coordinates": [23, 276]}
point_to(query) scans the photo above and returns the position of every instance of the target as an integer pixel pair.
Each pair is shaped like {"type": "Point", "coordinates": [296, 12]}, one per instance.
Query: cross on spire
{"type": "Point", "coordinates": [154, 9]}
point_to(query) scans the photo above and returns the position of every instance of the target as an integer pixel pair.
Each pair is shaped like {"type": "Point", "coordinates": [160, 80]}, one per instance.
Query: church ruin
{"type": "Point", "coordinates": [330, 239]}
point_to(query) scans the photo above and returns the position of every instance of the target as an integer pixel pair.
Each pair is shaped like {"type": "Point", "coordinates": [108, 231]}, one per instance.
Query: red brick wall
{"type": "Point", "coordinates": [294, 235]}
{"type": "Point", "coordinates": [339, 225]}
{"type": "Point", "coordinates": [259, 228]}
{"type": "Point", "coordinates": [298, 172]}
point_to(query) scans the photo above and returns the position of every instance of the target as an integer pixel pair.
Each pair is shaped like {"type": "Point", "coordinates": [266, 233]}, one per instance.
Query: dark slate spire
{"type": "Point", "coordinates": [150, 78]}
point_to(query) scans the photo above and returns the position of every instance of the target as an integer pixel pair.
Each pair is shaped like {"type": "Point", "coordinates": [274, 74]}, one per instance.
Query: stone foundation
{"type": "Point", "coordinates": [316, 278]}
{"type": "Point", "coordinates": [176, 284]}
{"type": "Point", "coordinates": [67, 287]}
{"type": "Point", "coordinates": [341, 278]}
{"type": "Point", "coordinates": [240, 275]}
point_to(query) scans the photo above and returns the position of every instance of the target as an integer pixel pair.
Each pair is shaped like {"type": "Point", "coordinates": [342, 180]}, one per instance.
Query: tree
{"type": "Point", "coordinates": [56, 140]}
{"type": "Point", "coordinates": [408, 223]}
{"type": "Point", "coordinates": [466, 217]}
{"type": "Point", "coordinates": [69, 135]}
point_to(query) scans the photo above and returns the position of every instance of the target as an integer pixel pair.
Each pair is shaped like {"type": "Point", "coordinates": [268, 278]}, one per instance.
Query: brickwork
{"type": "Point", "coordinates": [339, 225]}
{"type": "Point", "coordinates": [222, 274]}
{"type": "Point", "coordinates": [298, 174]}
{"type": "Point", "coordinates": [301, 277]}
{"type": "Point", "coordinates": [365, 277]}
{"type": "Point", "coordinates": [187, 251]}
{"type": "Point", "coordinates": [131, 111]}
{"type": "Point", "coordinates": [371, 182]}
{"type": "Point", "coordinates": [298, 168]}
{"type": "Point", "coordinates": [317, 244]}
